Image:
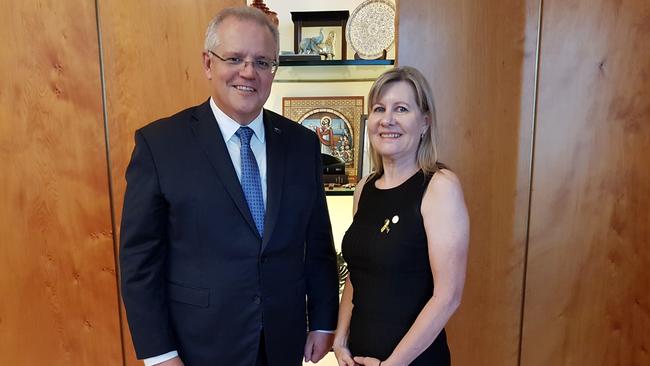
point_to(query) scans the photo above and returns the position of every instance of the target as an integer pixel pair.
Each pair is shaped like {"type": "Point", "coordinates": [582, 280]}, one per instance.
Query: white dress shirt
{"type": "Point", "coordinates": [229, 127]}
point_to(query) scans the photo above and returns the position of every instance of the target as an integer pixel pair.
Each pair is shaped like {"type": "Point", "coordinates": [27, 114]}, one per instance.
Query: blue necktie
{"type": "Point", "coordinates": [250, 179]}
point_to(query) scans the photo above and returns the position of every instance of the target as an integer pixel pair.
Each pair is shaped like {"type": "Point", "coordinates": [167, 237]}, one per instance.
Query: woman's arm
{"type": "Point", "coordinates": [447, 227]}
{"type": "Point", "coordinates": [345, 307]}
{"type": "Point", "coordinates": [340, 347]}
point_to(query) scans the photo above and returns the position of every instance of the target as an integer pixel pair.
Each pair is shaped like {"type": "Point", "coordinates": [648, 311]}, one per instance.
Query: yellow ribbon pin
{"type": "Point", "coordinates": [386, 227]}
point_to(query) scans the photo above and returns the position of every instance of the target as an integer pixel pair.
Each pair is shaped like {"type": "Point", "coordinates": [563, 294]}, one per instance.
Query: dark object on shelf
{"type": "Point", "coordinates": [332, 165]}
{"type": "Point", "coordinates": [335, 179]}
{"type": "Point", "coordinates": [293, 58]}
{"type": "Point", "coordinates": [302, 19]}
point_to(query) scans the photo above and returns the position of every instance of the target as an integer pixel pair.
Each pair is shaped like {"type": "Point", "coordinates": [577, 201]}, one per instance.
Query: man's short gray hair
{"type": "Point", "coordinates": [240, 13]}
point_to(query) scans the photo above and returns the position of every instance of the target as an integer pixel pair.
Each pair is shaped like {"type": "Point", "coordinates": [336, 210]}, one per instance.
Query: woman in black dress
{"type": "Point", "coordinates": [407, 246]}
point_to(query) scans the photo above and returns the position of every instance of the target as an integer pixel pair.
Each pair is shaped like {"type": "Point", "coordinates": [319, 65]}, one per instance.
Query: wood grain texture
{"type": "Point", "coordinates": [588, 287]}
{"type": "Point", "coordinates": [57, 272]}
{"type": "Point", "coordinates": [480, 59]}
{"type": "Point", "coordinates": [152, 58]}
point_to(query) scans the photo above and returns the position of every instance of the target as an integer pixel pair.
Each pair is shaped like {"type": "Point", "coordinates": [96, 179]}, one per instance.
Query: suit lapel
{"type": "Point", "coordinates": [208, 134]}
{"type": "Point", "coordinates": [275, 161]}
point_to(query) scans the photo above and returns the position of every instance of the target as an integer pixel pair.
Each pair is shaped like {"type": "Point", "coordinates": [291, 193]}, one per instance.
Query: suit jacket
{"type": "Point", "coordinates": [195, 275]}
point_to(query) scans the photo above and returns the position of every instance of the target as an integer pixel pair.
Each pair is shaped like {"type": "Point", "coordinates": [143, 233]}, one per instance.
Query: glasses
{"type": "Point", "coordinates": [260, 65]}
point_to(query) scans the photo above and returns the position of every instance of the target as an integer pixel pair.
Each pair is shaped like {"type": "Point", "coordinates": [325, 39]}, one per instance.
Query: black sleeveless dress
{"type": "Point", "coordinates": [390, 271]}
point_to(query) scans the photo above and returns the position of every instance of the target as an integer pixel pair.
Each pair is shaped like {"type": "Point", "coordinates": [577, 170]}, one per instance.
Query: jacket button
{"type": "Point", "coordinates": [257, 299]}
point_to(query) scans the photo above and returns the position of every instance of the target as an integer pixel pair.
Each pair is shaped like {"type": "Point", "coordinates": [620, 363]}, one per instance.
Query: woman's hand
{"type": "Point", "coordinates": [343, 356]}
{"type": "Point", "coordinates": [368, 361]}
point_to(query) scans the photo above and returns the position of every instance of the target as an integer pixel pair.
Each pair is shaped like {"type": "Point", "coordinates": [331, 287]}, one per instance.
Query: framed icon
{"type": "Point", "coordinates": [337, 123]}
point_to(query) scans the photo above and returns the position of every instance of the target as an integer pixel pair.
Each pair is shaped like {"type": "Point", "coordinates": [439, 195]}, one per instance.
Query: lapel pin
{"type": "Point", "coordinates": [277, 130]}
{"type": "Point", "coordinates": [386, 227]}
{"type": "Point", "coordinates": [387, 222]}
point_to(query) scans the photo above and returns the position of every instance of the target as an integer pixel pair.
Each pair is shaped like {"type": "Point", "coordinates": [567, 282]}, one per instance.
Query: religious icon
{"type": "Point", "coordinates": [334, 133]}
{"type": "Point", "coordinates": [335, 120]}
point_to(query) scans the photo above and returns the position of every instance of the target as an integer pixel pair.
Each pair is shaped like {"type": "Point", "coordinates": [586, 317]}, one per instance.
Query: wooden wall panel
{"type": "Point", "coordinates": [59, 301]}
{"type": "Point", "coordinates": [480, 60]}
{"type": "Point", "coordinates": [152, 57]}
{"type": "Point", "coordinates": [588, 286]}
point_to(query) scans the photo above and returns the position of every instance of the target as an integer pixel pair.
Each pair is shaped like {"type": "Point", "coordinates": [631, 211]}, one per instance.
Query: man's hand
{"type": "Point", "coordinates": [176, 361]}
{"type": "Point", "coordinates": [317, 346]}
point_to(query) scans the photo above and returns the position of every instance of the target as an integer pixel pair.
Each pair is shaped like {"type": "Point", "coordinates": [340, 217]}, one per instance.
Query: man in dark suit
{"type": "Point", "coordinates": [226, 250]}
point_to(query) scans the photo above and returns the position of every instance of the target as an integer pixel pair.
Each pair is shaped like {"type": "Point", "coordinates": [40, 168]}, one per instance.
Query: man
{"type": "Point", "coordinates": [226, 248]}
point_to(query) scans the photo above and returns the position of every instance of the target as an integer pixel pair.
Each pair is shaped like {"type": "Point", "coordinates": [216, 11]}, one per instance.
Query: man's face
{"type": "Point", "coordinates": [240, 91]}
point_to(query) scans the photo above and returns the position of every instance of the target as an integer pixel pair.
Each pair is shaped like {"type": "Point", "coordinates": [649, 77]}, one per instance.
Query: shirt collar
{"type": "Point", "coordinates": [229, 126]}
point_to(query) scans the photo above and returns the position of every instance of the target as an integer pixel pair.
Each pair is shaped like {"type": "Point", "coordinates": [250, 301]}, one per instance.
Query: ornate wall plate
{"type": "Point", "coordinates": [371, 28]}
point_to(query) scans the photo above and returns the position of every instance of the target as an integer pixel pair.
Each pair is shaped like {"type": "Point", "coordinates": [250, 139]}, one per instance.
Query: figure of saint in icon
{"type": "Point", "coordinates": [326, 135]}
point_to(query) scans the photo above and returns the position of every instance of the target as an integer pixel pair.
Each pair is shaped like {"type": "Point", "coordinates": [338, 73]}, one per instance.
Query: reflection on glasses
{"type": "Point", "coordinates": [261, 64]}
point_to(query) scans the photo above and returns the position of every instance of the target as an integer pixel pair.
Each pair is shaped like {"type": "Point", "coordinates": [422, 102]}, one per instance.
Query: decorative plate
{"type": "Point", "coordinates": [371, 28]}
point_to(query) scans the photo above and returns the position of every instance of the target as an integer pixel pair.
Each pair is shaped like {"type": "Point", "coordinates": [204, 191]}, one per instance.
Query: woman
{"type": "Point", "coordinates": [410, 231]}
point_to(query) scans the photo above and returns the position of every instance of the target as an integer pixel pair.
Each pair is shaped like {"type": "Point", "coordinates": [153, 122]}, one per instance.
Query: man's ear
{"type": "Point", "coordinates": [207, 65]}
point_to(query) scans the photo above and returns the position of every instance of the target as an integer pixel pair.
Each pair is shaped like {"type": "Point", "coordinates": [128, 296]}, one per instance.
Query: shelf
{"type": "Point", "coordinates": [339, 191]}
{"type": "Point", "coordinates": [331, 71]}
{"type": "Point", "coordinates": [338, 63]}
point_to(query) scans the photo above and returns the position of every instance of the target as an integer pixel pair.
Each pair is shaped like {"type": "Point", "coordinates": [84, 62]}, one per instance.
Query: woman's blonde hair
{"type": "Point", "coordinates": [427, 153]}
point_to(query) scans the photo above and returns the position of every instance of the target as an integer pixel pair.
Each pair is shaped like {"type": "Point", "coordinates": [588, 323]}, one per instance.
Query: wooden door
{"type": "Point", "coordinates": [588, 283]}
{"type": "Point", "coordinates": [57, 271]}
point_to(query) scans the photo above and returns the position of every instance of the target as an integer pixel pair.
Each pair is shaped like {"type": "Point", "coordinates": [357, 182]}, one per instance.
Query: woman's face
{"type": "Point", "coordinates": [395, 123]}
